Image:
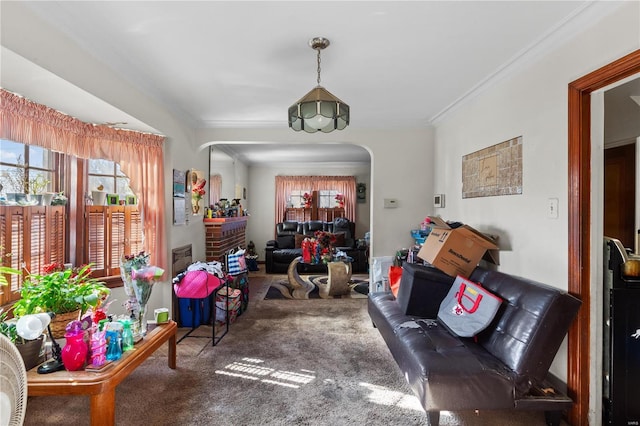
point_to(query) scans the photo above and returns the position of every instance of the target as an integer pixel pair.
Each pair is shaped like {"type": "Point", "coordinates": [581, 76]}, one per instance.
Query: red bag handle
{"type": "Point", "coordinates": [462, 294]}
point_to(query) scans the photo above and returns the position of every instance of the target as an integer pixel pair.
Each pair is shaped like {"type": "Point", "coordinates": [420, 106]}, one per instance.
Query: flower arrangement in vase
{"type": "Point", "coordinates": [340, 200]}
{"type": "Point", "coordinates": [128, 263]}
{"type": "Point", "coordinates": [197, 192]}
{"type": "Point", "coordinates": [306, 199]}
{"type": "Point", "coordinates": [143, 280]}
{"type": "Point", "coordinates": [325, 240]}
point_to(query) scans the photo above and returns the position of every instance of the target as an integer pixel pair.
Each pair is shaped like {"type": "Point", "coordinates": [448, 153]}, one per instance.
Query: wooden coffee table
{"type": "Point", "coordinates": [101, 386]}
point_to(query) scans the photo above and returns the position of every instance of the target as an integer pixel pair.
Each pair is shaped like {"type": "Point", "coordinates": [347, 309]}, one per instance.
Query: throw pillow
{"type": "Point", "coordinates": [298, 242]}
{"type": "Point", "coordinates": [341, 222]}
{"type": "Point", "coordinates": [468, 308]}
{"type": "Point", "coordinates": [339, 239]}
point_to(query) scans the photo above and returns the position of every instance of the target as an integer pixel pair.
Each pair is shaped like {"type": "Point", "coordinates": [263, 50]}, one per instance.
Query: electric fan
{"type": "Point", "coordinates": [13, 384]}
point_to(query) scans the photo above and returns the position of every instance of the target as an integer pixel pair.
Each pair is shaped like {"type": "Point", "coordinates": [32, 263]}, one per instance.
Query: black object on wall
{"type": "Point", "coordinates": [621, 335]}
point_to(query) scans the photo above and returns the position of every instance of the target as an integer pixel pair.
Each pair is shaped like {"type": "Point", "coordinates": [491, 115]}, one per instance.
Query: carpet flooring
{"type": "Point", "coordinates": [284, 362]}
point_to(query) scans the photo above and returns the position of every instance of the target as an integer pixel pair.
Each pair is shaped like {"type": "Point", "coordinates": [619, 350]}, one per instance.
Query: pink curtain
{"type": "Point", "coordinates": [140, 155]}
{"type": "Point", "coordinates": [343, 184]}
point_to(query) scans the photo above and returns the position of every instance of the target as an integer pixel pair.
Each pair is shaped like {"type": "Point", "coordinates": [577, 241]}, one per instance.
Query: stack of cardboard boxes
{"type": "Point", "coordinates": [457, 251]}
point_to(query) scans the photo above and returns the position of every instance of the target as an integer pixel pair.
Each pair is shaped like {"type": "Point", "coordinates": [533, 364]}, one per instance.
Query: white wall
{"type": "Point", "coordinates": [401, 168]}
{"type": "Point", "coordinates": [531, 102]}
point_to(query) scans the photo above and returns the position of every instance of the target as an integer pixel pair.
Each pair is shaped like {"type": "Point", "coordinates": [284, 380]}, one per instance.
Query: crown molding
{"type": "Point", "coordinates": [580, 20]}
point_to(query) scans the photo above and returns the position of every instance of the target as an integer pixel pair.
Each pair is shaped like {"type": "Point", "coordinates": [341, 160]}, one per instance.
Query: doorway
{"type": "Point", "coordinates": [620, 193]}
{"type": "Point", "coordinates": [579, 167]}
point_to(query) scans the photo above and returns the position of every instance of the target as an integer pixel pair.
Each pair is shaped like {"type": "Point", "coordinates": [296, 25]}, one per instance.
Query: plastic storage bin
{"type": "Point", "coordinates": [194, 312]}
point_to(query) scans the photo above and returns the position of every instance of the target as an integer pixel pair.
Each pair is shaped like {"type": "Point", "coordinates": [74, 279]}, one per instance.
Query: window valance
{"type": "Point", "coordinates": [140, 155]}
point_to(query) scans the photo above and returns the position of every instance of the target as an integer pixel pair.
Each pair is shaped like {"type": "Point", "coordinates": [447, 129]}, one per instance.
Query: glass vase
{"type": "Point", "coordinates": [143, 292]}
{"type": "Point", "coordinates": [142, 319]}
{"type": "Point", "coordinates": [74, 353]}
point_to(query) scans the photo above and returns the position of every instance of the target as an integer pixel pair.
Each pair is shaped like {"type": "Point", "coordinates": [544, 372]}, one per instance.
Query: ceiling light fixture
{"type": "Point", "coordinates": [319, 110]}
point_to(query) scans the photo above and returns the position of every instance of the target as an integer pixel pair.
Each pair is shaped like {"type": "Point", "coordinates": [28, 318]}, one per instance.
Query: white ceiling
{"type": "Point", "coordinates": [242, 64]}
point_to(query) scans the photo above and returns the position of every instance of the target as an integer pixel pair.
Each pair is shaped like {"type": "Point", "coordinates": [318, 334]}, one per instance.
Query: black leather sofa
{"type": "Point", "coordinates": [279, 253]}
{"type": "Point", "coordinates": [503, 367]}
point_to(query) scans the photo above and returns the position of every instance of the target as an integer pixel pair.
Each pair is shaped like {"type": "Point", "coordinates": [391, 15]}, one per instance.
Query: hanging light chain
{"type": "Point", "coordinates": [318, 67]}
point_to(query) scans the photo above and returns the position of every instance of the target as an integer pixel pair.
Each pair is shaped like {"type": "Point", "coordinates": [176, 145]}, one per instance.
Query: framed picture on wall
{"type": "Point", "coordinates": [196, 186]}
{"type": "Point", "coordinates": [179, 183]}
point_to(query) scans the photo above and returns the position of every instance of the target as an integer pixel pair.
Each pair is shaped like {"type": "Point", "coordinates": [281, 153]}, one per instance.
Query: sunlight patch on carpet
{"type": "Point", "coordinates": [251, 371]}
{"type": "Point", "coordinates": [385, 396]}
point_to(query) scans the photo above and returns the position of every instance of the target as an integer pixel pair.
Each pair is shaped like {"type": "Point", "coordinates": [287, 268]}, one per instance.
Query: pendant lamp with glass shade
{"type": "Point", "coordinates": [319, 110]}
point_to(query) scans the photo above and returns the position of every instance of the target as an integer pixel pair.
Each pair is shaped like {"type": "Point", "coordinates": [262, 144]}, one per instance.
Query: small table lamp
{"type": "Point", "coordinates": [30, 327]}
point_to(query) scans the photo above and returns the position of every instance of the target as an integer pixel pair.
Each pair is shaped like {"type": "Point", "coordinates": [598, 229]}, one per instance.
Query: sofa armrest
{"type": "Point", "coordinates": [268, 257]}
{"type": "Point", "coordinates": [272, 244]}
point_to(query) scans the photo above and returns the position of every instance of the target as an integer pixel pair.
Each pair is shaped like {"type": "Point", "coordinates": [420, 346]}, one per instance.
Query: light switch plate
{"type": "Point", "coordinates": [552, 208]}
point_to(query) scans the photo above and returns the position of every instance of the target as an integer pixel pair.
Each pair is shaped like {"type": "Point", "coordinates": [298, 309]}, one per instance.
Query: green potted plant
{"type": "Point", "coordinates": [66, 292]}
{"type": "Point", "coordinates": [30, 350]}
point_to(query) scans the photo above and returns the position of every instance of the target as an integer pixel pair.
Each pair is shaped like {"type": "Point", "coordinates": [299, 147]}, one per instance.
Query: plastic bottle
{"type": "Point", "coordinates": [114, 341]}
{"type": "Point", "coordinates": [98, 348]}
{"type": "Point", "coordinates": [127, 336]}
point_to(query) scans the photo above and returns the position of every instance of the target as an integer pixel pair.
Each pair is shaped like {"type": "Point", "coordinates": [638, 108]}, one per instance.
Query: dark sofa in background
{"type": "Point", "coordinates": [280, 252]}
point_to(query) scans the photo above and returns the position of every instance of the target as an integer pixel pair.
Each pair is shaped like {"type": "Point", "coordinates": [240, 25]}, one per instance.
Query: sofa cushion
{"type": "Point", "coordinates": [289, 226]}
{"type": "Point", "coordinates": [286, 255]}
{"type": "Point", "coordinates": [298, 240]}
{"type": "Point", "coordinates": [286, 241]}
{"type": "Point", "coordinates": [310, 227]}
{"type": "Point", "coordinates": [514, 337]}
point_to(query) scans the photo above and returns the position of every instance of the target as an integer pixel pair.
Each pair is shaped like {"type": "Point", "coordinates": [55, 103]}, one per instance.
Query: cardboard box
{"type": "Point", "coordinates": [456, 251]}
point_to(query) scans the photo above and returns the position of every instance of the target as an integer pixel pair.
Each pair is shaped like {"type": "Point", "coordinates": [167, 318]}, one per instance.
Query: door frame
{"type": "Point", "coordinates": [579, 222]}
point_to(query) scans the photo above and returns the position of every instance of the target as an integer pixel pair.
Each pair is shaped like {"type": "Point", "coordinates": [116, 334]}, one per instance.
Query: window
{"type": "Point", "coordinates": [107, 174]}
{"type": "Point", "coordinates": [289, 192]}
{"type": "Point", "coordinates": [25, 169]}
{"type": "Point", "coordinates": [140, 156]}
{"type": "Point", "coordinates": [35, 235]}
{"type": "Point", "coordinates": [327, 198]}
{"type": "Point", "coordinates": [296, 198]}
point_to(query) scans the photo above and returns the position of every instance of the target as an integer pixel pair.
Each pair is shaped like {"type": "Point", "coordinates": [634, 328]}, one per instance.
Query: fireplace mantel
{"type": "Point", "coordinates": [223, 234]}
